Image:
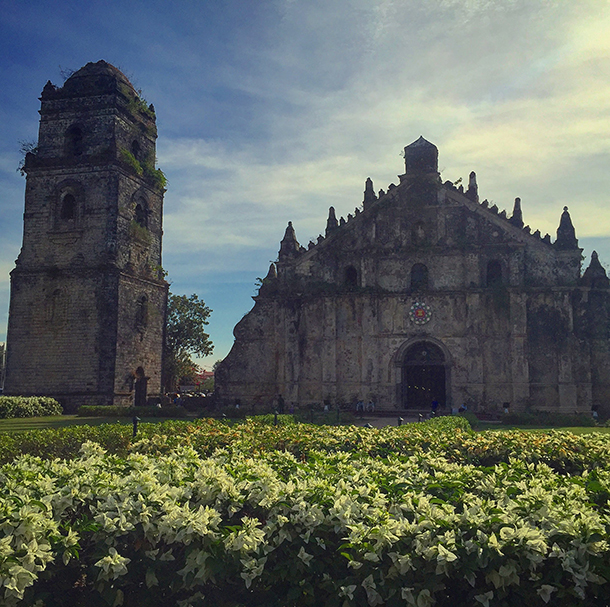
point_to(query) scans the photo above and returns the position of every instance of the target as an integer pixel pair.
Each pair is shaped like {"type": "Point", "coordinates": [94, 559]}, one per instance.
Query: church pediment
{"type": "Point", "coordinates": [425, 221]}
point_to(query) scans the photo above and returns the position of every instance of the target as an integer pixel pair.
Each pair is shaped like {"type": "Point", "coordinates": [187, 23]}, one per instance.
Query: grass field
{"type": "Point", "coordinates": [62, 421]}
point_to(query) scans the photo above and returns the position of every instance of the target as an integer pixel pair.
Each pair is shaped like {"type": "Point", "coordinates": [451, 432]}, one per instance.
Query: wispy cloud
{"type": "Point", "coordinates": [273, 111]}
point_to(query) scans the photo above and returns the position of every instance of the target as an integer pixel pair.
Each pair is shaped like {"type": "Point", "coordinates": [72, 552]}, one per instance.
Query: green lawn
{"type": "Point", "coordinates": [61, 421]}
{"type": "Point", "coordinates": [573, 429]}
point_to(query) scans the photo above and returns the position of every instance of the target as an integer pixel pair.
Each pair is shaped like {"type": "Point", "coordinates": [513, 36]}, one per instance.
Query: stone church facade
{"type": "Point", "coordinates": [425, 293]}
{"type": "Point", "coordinates": [88, 297]}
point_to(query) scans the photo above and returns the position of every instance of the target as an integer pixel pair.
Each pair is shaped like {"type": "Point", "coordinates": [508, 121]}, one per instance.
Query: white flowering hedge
{"type": "Point", "coordinates": [269, 528]}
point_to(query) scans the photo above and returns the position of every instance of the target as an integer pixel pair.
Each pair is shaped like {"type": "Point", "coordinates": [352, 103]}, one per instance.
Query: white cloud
{"type": "Point", "coordinates": [538, 130]}
{"type": "Point", "coordinates": [318, 96]}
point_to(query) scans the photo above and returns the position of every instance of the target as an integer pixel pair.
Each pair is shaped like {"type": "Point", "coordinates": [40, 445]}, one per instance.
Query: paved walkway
{"type": "Point", "coordinates": [382, 422]}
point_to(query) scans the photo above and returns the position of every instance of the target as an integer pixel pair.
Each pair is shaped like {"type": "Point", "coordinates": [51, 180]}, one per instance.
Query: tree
{"type": "Point", "coordinates": [184, 336]}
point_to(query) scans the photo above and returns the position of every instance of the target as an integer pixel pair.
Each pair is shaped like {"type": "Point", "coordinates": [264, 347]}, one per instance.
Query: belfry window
{"type": "Point", "coordinates": [351, 276]}
{"type": "Point", "coordinates": [135, 149]}
{"type": "Point", "coordinates": [419, 277]}
{"type": "Point", "coordinates": [67, 211]}
{"type": "Point", "coordinates": [74, 141]}
{"type": "Point", "coordinates": [141, 213]}
{"type": "Point", "coordinates": [494, 273]}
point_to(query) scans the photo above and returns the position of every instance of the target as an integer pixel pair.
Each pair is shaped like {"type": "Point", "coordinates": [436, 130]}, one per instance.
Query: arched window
{"type": "Point", "coordinates": [67, 211]}
{"type": "Point", "coordinates": [494, 273]}
{"type": "Point", "coordinates": [141, 213]}
{"type": "Point", "coordinates": [67, 206]}
{"type": "Point", "coordinates": [141, 388]}
{"type": "Point", "coordinates": [74, 141]}
{"type": "Point", "coordinates": [419, 277]}
{"type": "Point", "coordinates": [351, 276]}
{"type": "Point", "coordinates": [135, 149]}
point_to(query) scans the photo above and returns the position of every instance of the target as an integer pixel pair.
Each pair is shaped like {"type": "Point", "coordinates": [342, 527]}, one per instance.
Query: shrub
{"type": "Point", "coordinates": [65, 443]}
{"type": "Point", "coordinates": [28, 406]}
{"type": "Point", "coordinates": [336, 529]}
{"type": "Point", "coordinates": [130, 160]}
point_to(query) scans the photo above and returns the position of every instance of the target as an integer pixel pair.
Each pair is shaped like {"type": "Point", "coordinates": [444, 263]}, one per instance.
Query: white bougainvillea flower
{"type": "Point", "coordinates": [113, 565]}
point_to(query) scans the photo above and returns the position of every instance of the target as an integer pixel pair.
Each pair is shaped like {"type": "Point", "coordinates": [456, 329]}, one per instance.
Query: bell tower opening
{"type": "Point", "coordinates": [424, 376]}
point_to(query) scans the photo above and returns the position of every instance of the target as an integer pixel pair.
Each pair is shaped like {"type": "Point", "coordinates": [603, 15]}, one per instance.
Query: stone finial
{"type": "Point", "coordinates": [517, 218]}
{"type": "Point", "coordinates": [272, 274]}
{"type": "Point", "coordinates": [269, 283]}
{"type": "Point", "coordinates": [369, 193]}
{"type": "Point", "coordinates": [473, 189]}
{"type": "Point", "coordinates": [289, 246]}
{"type": "Point", "coordinates": [595, 275]}
{"type": "Point", "coordinates": [49, 89]}
{"type": "Point", "coordinates": [342, 221]}
{"type": "Point", "coordinates": [381, 193]}
{"type": "Point", "coordinates": [566, 235]}
{"type": "Point", "coordinates": [331, 222]}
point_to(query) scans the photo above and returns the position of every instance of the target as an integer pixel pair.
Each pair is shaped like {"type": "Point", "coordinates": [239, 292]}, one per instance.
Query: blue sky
{"type": "Point", "coordinates": [272, 111]}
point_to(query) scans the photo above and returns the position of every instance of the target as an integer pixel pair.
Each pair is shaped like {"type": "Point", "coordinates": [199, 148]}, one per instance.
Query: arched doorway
{"type": "Point", "coordinates": [141, 387]}
{"type": "Point", "coordinates": [424, 376]}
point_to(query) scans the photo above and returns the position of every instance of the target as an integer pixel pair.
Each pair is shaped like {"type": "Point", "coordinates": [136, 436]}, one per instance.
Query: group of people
{"type": "Point", "coordinates": [369, 407]}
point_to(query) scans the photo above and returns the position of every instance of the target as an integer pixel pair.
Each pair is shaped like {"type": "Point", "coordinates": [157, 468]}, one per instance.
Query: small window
{"type": "Point", "coordinates": [74, 141]}
{"type": "Point", "coordinates": [135, 149]}
{"type": "Point", "coordinates": [141, 213]}
{"type": "Point", "coordinates": [494, 273]}
{"type": "Point", "coordinates": [351, 276]}
{"type": "Point", "coordinates": [419, 277]}
{"type": "Point", "coordinates": [67, 211]}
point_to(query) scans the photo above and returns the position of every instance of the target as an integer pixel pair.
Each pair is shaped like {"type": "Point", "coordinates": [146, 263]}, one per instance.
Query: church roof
{"type": "Point", "coordinates": [421, 143]}
{"type": "Point", "coordinates": [92, 79]}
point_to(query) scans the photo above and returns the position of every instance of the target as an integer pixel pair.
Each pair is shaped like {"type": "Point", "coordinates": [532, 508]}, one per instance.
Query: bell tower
{"type": "Point", "coordinates": [88, 296]}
